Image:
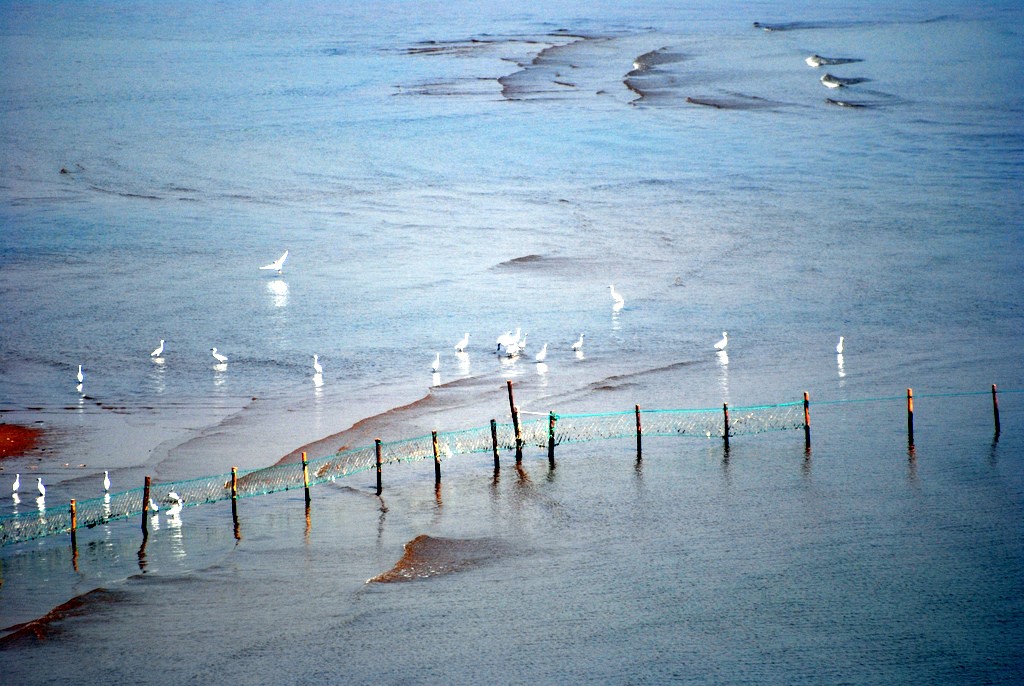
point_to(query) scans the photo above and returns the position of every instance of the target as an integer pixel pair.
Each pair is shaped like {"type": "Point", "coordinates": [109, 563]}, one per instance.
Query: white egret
{"type": "Point", "coordinates": [106, 481]}
{"type": "Point", "coordinates": [436, 364]}
{"type": "Point", "coordinates": [720, 345]}
{"type": "Point", "coordinates": [40, 487]}
{"type": "Point", "coordinates": [175, 509]}
{"type": "Point", "coordinates": [839, 346]}
{"type": "Point", "coordinates": [616, 297]}
{"type": "Point", "coordinates": [460, 347]}
{"type": "Point", "coordinates": [317, 368]}
{"type": "Point", "coordinates": [217, 356]}
{"type": "Point", "coordinates": [81, 376]}
{"type": "Point", "coordinates": [159, 350]}
{"type": "Point", "coordinates": [278, 264]}
{"type": "Point", "coordinates": [153, 507]}
{"type": "Point", "coordinates": [578, 345]}
{"type": "Point", "coordinates": [543, 354]}
{"type": "Point", "coordinates": [17, 483]}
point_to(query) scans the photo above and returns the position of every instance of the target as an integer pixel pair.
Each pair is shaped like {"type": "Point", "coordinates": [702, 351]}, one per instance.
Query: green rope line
{"type": "Point", "coordinates": [569, 428]}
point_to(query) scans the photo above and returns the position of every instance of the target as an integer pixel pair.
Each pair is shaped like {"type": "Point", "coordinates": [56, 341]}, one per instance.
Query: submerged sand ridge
{"type": "Point", "coordinates": [428, 556]}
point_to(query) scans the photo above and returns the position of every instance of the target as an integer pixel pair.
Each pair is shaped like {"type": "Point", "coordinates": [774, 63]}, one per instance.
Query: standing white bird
{"type": "Point", "coordinates": [317, 368]}
{"type": "Point", "coordinates": [509, 338]}
{"type": "Point", "coordinates": [543, 354]}
{"type": "Point", "coordinates": [159, 350]}
{"type": "Point", "coordinates": [106, 481]}
{"type": "Point", "coordinates": [153, 507]}
{"type": "Point", "coordinates": [839, 346]}
{"type": "Point", "coordinates": [720, 345]}
{"type": "Point", "coordinates": [217, 356]}
{"type": "Point", "coordinates": [619, 302]}
{"type": "Point", "coordinates": [436, 364]}
{"type": "Point", "coordinates": [17, 483]}
{"type": "Point", "coordinates": [175, 509]}
{"type": "Point", "coordinates": [81, 376]}
{"type": "Point", "coordinates": [40, 487]}
{"type": "Point", "coordinates": [578, 345]}
{"type": "Point", "coordinates": [516, 348]}
{"type": "Point", "coordinates": [278, 264]}
{"type": "Point", "coordinates": [460, 347]}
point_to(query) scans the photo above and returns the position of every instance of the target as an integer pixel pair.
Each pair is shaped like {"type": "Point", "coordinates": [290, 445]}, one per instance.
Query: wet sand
{"type": "Point", "coordinates": [18, 440]}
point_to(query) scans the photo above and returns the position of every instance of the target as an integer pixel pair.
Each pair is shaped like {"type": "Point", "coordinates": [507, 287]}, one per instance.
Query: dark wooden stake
{"type": "Point", "coordinates": [437, 459]}
{"type": "Point", "coordinates": [639, 435]}
{"type": "Point", "coordinates": [494, 444]}
{"type": "Point", "coordinates": [234, 501]}
{"type": "Point", "coordinates": [807, 421]}
{"type": "Point", "coordinates": [74, 526]}
{"type": "Point", "coordinates": [910, 418]}
{"type": "Point", "coordinates": [995, 409]}
{"type": "Point", "coordinates": [145, 507]}
{"type": "Point", "coordinates": [305, 477]}
{"type": "Point", "coordinates": [380, 486]}
{"type": "Point", "coordinates": [515, 422]}
{"type": "Point", "coordinates": [725, 433]}
{"type": "Point", "coordinates": [551, 438]}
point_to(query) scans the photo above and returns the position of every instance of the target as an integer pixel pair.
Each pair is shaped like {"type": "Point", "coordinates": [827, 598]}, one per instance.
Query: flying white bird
{"type": "Point", "coordinates": [509, 338]}
{"type": "Point", "coordinates": [40, 487]}
{"type": "Point", "coordinates": [460, 347]}
{"type": "Point", "coordinates": [106, 481]}
{"type": "Point", "coordinates": [720, 345]}
{"type": "Point", "coordinates": [17, 483]}
{"type": "Point", "coordinates": [317, 368]}
{"type": "Point", "coordinates": [278, 264]}
{"type": "Point", "coordinates": [543, 354]}
{"type": "Point", "coordinates": [217, 356]}
{"type": "Point", "coordinates": [616, 297]}
{"type": "Point", "coordinates": [159, 350]}
{"type": "Point", "coordinates": [437, 363]}
{"type": "Point", "coordinates": [516, 348]}
{"type": "Point", "coordinates": [839, 346]}
{"type": "Point", "coordinates": [81, 376]}
{"type": "Point", "coordinates": [578, 345]}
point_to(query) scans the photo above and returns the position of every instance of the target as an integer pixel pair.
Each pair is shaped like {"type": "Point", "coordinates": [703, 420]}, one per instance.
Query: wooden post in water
{"type": "Point", "coordinates": [551, 438]}
{"type": "Point", "coordinates": [515, 422]}
{"type": "Point", "coordinates": [494, 444]}
{"type": "Point", "coordinates": [639, 435]}
{"type": "Point", "coordinates": [910, 418]}
{"type": "Point", "coordinates": [725, 433]}
{"type": "Point", "coordinates": [74, 526]}
{"type": "Point", "coordinates": [376, 443]}
{"type": "Point", "coordinates": [807, 421]}
{"type": "Point", "coordinates": [305, 476]}
{"type": "Point", "coordinates": [145, 507]}
{"type": "Point", "coordinates": [234, 498]}
{"type": "Point", "coordinates": [995, 409]}
{"type": "Point", "coordinates": [437, 459]}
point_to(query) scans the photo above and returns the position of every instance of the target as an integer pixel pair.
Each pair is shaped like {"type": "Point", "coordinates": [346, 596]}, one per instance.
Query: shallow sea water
{"type": "Point", "coordinates": [434, 171]}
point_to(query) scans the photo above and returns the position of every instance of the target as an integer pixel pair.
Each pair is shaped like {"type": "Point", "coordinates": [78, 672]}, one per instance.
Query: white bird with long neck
{"type": "Point", "coordinates": [217, 356]}
{"type": "Point", "coordinates": [17, 483]}
{"type": "Point", "coordinates": [839, 346]}
{"type": "Point", "coordinates": [436, 365]}
{"type": "Point", "coordinates": [509, 338]}
{"type": "Point", "coordinates": [720, 345]}
{"type": "Point", "coordinates": [578, 345]}
{"type": "Point", "coordinates": [81, 375]}
{"type": "Point", "coordinates": [317, 367]}
{"type": "Point", "coordinates": [278, 264]}
{"type": "Point", "coordinates": [175, 509]}
{"type": "Point", "coordinates": [40, 487]}
{"type": "Point", "coordinates": [460, 347]}
{"type": "Point", "coordinates": [106, 481]}
{"type": "Point", "coordinates": [159, 350]}
{"type": "Point", "coordinates": [618, 302]}
{"type": "Point", "coordinates": [543, 354]}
